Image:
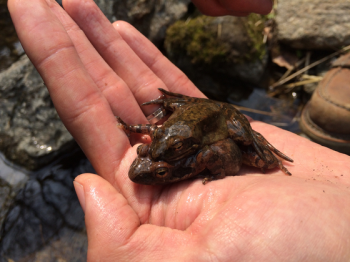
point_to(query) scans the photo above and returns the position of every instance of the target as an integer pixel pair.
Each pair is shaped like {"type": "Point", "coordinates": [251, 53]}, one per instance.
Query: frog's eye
{"type": "Point", "coordinates": [178, 145]}
{"type": "Point", "coordinates": [161, 172]}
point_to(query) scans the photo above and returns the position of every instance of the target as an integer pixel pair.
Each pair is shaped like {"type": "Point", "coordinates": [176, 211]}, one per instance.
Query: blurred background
{"type": "Point", "coordinates": [267, 65]}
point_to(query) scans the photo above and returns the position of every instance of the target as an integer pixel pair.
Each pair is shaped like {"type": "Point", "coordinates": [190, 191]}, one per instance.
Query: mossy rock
{"type": "Point", "coordinates": [194, 38]}
{"type": "Point", "coordinates": [255, 25]}
{"type": "Point", "coordinates": [227, 45]}
{"type": "Point", "coordinates": [211, 40]}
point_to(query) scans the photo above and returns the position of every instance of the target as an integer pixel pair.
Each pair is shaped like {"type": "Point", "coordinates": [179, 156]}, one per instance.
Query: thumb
{"type": "Point", "coordinates": [109, 219]}
{"type": "Point", "coordinates": [114, 230]}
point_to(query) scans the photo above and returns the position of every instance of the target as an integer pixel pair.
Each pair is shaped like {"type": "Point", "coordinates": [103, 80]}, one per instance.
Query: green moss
{"type": "Point", "coordinates": [198, 39]}
{"type": "Point", "coordinates": [255, 27]}
{"type": "Point", "coordinates": [195, 39]}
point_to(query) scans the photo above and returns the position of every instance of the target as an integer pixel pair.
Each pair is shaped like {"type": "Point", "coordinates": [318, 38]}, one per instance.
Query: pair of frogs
{"type": "Point", "coordinates": [202, 138]}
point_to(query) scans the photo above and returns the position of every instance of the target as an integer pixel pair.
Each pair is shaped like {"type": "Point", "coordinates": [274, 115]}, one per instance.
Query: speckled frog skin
{"type": "Point", "coordinates": [223, 158]}
{"type": "Point", "coordinates": [214, 161]}
{"type": "Point", "coordinates": [196, 123]}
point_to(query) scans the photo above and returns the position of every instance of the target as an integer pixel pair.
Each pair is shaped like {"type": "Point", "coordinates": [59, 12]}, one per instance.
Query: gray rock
{"type": "Point", "coordinates": [6, 199]}
{"type": "Point", "coordinates": [151, 18]}
{"type": "Point", "coordinates": [11, 174]}
{"type": "Point", "coordinates": [31, 133]}
{"type": "Point", "coordinates": [106, 7]}
{"type": "Point", "coordinates": [12, 179]}
{"type": "Point", "coordinates": [71, 246]}
{"type": "Point", "coordinates": [314, 24]}
{"type": "Point", "coordinates": [248, 61]}
{"type": "Point", "coordinates": [45, 221]}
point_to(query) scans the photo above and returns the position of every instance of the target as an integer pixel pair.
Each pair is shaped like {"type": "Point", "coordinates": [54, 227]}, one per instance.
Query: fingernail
{"type": "Point", "coordinates": [79, 190]}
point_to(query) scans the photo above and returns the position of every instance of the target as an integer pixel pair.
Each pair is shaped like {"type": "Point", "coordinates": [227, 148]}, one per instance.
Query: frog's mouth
{"type": "Point", "coordinates": [185, 153]}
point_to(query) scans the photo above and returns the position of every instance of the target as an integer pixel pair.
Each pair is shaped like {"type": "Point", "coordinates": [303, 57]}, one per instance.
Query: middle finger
{"type": "Point", "coordinates": [111, 46]}
{"type": "Point", "coordinates": [115, 90]}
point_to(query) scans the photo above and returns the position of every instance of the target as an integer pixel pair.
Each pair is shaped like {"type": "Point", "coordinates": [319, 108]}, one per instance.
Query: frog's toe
{"type": "Point", "coordinates": [168, 93]}
{"type": "Point", "coordinates": [206, 180]}
{"type": "Point", "coordinates": [258, 150]}
{"type": "Point", "coordinates": [153, 102]}
{"type": "Point", "coordinates": [283, 168]}
{"type": "Point", "coordinates": [261, 140]}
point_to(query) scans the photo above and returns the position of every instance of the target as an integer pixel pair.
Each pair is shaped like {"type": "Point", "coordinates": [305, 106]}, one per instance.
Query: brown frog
{"type": "Point", "coordinates": [197, 122]}
{"type": "Point", "coordinates": [220, 159]}
{"type": "Point", "coordinates": [215, 161]}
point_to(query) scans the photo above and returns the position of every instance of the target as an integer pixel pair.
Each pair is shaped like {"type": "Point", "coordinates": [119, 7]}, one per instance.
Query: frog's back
{"type": "Point", "coordinates": [194, 114]}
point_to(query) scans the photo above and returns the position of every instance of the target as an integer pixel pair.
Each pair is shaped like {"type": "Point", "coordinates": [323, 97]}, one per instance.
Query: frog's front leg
{"type": "Point", "coordinates": [148, 129]}
{"type": "Point", "coordinates": [210, 160]}
{"type": "Point", "coordinates": [221, 159]}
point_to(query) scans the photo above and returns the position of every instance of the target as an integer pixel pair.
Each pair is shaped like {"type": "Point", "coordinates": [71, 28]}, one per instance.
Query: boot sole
{"type": "Point", "coordinates": [338, 142]}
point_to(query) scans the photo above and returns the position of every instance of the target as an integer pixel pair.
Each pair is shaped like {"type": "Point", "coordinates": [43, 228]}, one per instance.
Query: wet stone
{"type": "Point", "coordinates": [5, 199]}
{"type": "Point", "coordinates": [12, 174]}
{"type": "Point", "coordinates": [12, 179]}
{"type": "Point", "coordinates": [31, 133]}
{"type": "Point", "coordinates": [46, 215]}
{"type": "Point", "coordinates": [71, 245]}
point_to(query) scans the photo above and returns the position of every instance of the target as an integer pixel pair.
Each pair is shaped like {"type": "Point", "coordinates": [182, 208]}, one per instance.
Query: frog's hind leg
{"type": "Point", "coordinates": [256, 146]}
{"type": "Point", "coordinates": [263, 141]}
{"type": "Point", "coordinates": [240, 130]}
{"type": "Point", "coordinates": [251, 158]}
{"type": "Point", "coordinates": [282, 167]}
{"type": "Point", "coordinates": [276, 162]}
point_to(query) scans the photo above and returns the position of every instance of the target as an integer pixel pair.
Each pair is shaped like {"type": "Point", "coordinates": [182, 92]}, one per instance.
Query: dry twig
{"type": "Point", "coordinates": [281, 82]}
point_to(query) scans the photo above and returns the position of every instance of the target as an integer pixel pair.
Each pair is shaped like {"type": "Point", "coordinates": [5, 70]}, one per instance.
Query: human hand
{"type": "Point", "coordinates": [250, 217]}
{"type": "Point", "coordinates": [233, 7]}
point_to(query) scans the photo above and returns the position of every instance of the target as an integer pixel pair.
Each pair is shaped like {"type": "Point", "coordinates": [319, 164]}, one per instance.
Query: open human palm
{"type": "Point", "coordinates": [94, 71]}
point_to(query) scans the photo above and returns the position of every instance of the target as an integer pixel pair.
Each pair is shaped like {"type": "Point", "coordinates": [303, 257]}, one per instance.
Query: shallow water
{"type": "Point", "coordinates": [283, 113]}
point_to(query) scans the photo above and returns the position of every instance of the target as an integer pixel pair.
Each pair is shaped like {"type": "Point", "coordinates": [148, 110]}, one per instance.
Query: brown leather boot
{"type": "Point", "coordinates": [326, 117]}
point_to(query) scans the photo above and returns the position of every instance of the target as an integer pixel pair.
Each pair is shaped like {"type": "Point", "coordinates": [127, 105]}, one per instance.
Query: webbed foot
{"type": "Point", "coordinates": [262, 141]}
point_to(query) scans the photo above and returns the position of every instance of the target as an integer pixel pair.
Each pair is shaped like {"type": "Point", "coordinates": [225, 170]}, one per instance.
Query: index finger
{"type": "Point", "coordinates": [78, 101]}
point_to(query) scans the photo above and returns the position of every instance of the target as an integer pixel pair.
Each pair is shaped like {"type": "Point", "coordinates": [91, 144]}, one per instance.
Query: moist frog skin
{"type": "Point", "coordinates": [196, 123]}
